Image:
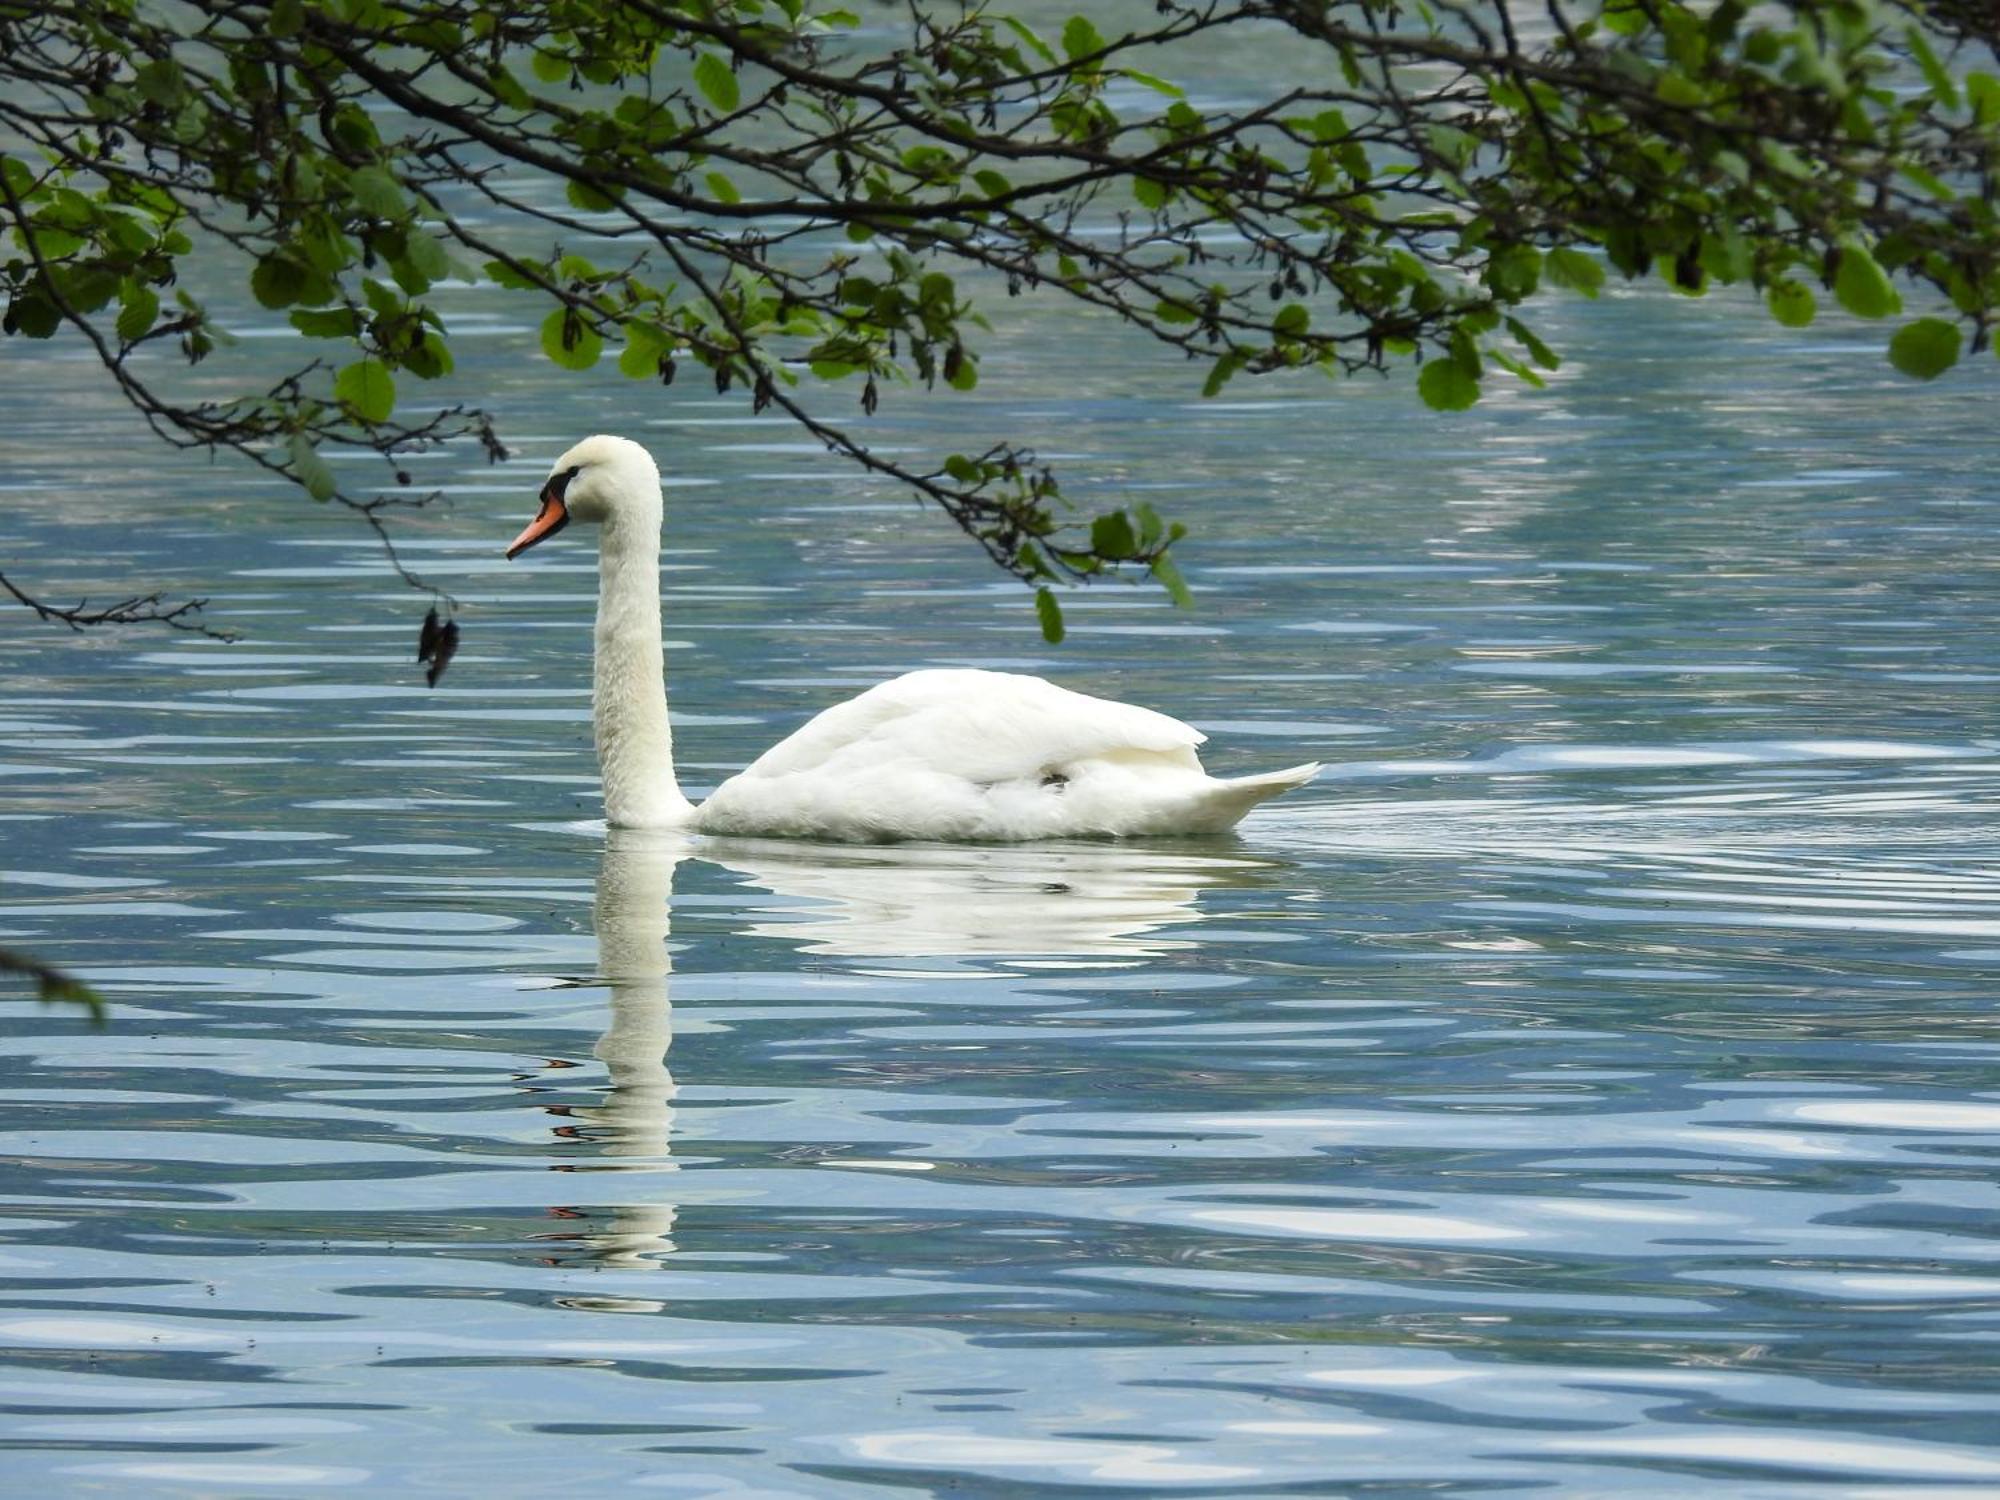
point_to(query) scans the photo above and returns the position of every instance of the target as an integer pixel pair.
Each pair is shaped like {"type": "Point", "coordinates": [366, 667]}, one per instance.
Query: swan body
{"type": "Point", "coordinates": [952, 755]}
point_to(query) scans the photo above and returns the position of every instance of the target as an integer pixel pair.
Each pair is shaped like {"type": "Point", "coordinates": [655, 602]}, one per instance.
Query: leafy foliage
{"type": "Point", "coordinates": [52, 985]}
{"type": "Point", "coordinates": [1408, 180]}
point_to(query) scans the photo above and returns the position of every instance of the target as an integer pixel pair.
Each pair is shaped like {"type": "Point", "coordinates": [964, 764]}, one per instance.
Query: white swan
{"type": "Point", "coordinates": [959, 756]}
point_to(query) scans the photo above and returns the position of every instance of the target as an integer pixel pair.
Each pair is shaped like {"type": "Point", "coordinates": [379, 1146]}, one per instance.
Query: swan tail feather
{"type": "Point", "coordinates": [1223, 803]}
{"type": "Point", "coordinates": [1274, 782]}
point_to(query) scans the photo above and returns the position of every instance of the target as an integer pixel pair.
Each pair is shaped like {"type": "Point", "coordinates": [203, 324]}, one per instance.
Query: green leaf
{"type": "Point", "coordinates": [1791, 302]}
{"type": "Point", "coordinates": [375, 190]}
{"type": "Point", "coordinates": [1926, 348]}
{"type": "Point", "coordinates": [1538, 351]}
{"type": "Point", "coordinates": [1983, 89]}
{"type": "Point", "coordinates": [1157, 85]}
{"type": "Point", "coordinates": [1455, 146]}
{"type": "Point", "coordinates": [366, 389]}
{"type": "Point", "coordinates": [1111, 535]}
{"type": "Point", "coordinates": [1169, 573]}
{"type": "Point", "coordinates": [135, 318]}
{"type": "Point", "coordinates": [382, 297]}
{"type": "Point", "coordinates": [1514, 271]}
{"type": "Point", "coordinates": [1220, 372]}
{"type": "Point", "coordinates": [1150, 194]}
{"type": "Point", "coordinates": [717, 84]}
{"type": "Point", "coordinates": [327, 323]}
{"type": "Point", "coordinates": [159, 82]}
{"type": "Point", "coordinates": [1575, 271]}
{"type": "Point", "coordinates": [52, 985]}
{"type": "Point", "coordinates": [426, 256]}
{"type": "Point", "coordinates": [1033, 42]}
{"type": "Point", "coordinates": [1446, 386]}
{"type": "Point", "coordinates": [1680, 90]}
{"type": "Point", "coordinates": [1934, 72]}
{"type": "Point", "coordinates": [1292, 321]}
{"type": "Point", "coordinates": [588, 197]}
{"type": "Point", "coordinates": [549, 68]}
{"type": "Point", "coordinates": [1464, 348]}
{"type": "Point", "coordinates": [1515, 368]}
{"type": "Point", "coordinates": [723, 188]}
{"type": "Point", "coordinates": [640, 358]}
{"type": "Point", "coordinates": [1861, 285]}
{"type": "Point", "coordinates": [569, 341]}
{"type": "Point", "coordinates": [87, 287]}
{"type": "Point", "coordinates": [1329, 126]}
{"type": "Point", "coordinates": [507, 276]}
{"type": "Point", "coordinates": [33, 315]}
{"type": "Point", "coordinates": [1624, 18]}
{"type": "Point", "coordinates": [1051, 616]}
{"type": "Point", "coordinates": [1928, 181]}
{"type": "Point", "coordinates": [1762, 47]}
{"type": "Point", "coordinates": [936, 290]}
{"type": "Point", "coordinates": [429, 359]}
{"type": "Point", "coordinates": [1080, 38]}
{"type": "Point", "coordinates": [310, 469]}
{"type": "Point", "coordinates": [287, 18]}
{"type": "Point", "coordinates": [1173, 312]}
{"type": "Point", "coordinates": [277, 280]}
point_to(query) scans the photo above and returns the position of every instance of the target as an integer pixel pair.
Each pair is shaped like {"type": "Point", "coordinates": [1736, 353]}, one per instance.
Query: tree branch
{"type": "Point", "coordinates": [140, 609]}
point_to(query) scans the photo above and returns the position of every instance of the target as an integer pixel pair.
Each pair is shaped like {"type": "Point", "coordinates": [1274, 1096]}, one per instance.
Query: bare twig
{"type": "Point", "coordinates": [139, 609]}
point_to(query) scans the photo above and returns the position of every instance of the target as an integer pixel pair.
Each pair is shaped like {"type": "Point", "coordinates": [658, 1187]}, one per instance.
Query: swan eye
{"type": "Point", "coordinates": [558, 483]}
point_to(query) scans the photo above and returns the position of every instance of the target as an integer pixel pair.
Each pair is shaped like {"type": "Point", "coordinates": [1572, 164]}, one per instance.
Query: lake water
{"type": "Point", "coordinates": [1590, 1085]}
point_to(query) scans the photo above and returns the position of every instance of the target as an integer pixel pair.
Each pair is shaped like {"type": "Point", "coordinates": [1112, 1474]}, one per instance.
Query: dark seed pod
{"type": "Point", "coordinates": [667, 368]}
{"type": "Point", "coordinates": [447, 647]}
{"type": "Point", "coordinates": [427, 638]}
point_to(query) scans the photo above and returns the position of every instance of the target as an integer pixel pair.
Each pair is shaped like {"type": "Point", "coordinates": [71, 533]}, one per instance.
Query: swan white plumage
{"type": "Point", "coordinates": [958, 756]}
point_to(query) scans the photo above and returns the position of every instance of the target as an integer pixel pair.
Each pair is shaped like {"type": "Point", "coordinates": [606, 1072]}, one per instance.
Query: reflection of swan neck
{"type": "Point", "coordinates": [634, 885]}
{"type": "Point", "coordinates": [635, 882]}
{"type": "Point", "coordinates": [636, 1119]}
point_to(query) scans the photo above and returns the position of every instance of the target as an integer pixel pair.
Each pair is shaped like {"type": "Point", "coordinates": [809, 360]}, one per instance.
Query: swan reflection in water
{"type": "Point", "coordinates": [1093, 903]}
{"type": "Point", "coordinates": [1028, 901]}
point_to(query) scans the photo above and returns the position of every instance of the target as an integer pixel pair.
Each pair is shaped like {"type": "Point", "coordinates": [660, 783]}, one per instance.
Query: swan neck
{"type": "Point", "coordinates": [635, 742]}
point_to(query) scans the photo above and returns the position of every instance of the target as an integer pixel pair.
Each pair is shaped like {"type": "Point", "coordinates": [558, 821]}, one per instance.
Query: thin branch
{"type": "Point", "coordinates": [140, 609]}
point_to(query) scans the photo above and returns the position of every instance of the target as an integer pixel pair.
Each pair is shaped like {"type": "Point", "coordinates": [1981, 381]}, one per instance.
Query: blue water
{"type": "Point", "coordinates": [1591, 1085]}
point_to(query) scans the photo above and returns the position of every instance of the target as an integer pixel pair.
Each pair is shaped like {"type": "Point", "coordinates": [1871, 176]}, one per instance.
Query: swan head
{"type": "Point", "coordinates": [601, 480]}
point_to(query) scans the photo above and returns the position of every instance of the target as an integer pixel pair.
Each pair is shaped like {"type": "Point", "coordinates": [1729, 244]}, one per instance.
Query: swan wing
{"type": "Point", "coordinates": [986, 727]}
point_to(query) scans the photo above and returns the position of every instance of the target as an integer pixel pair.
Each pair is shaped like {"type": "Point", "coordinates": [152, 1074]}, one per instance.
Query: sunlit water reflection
{"type": "Point", "coordinates": [1590, 1085]}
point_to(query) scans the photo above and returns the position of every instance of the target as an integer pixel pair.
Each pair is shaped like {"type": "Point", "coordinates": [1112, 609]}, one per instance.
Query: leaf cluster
{"type": "Point", "coordinates": [794, 203]}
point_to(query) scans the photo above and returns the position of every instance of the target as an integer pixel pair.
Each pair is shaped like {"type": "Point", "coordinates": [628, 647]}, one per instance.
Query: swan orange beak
{"type": "Point", "coordinates": [550, 519]}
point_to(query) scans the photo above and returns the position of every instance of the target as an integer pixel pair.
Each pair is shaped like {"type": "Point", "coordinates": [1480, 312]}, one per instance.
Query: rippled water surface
{"type": "Point", "coordinates": [1590, 1085]}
